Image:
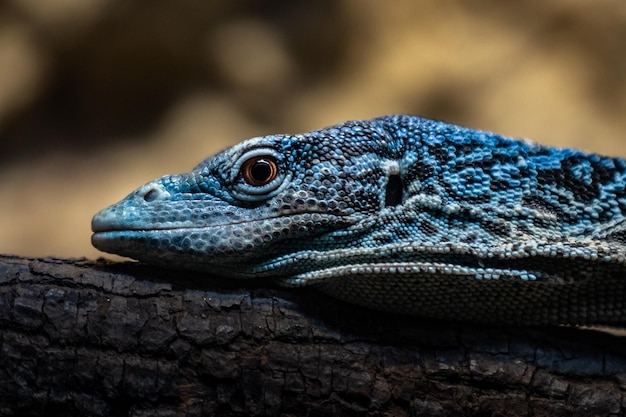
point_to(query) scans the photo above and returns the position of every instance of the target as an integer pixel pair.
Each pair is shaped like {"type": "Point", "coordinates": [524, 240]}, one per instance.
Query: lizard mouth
{"type": "Point", "coordinates": [101, 226]}
{"type": "Point", "coordinates": [106, 221]}
{"type": "Point", "coordinates": [215, 244]}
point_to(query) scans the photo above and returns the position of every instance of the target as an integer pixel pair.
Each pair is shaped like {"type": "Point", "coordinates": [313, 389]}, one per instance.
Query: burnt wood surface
{"type": "Point", "coordinates": [96, 338]}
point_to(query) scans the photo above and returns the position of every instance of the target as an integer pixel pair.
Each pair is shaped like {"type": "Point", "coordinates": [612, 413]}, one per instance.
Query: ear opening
{"type": "Point", "coordinates": [393, 192]}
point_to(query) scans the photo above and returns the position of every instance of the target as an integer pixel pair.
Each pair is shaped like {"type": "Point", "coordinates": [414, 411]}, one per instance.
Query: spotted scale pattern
{"type": "Point", "coordinates": [397, 213]}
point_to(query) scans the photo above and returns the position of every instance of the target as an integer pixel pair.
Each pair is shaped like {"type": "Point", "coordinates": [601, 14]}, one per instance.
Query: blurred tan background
{"type": "Point", "coordinates": [98, 97]}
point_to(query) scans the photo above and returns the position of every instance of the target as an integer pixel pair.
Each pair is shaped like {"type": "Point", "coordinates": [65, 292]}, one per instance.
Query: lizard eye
{"type": "Point", "coordinates": [258, 175]}
{"type": "Point", "coordinates": [259, 170]}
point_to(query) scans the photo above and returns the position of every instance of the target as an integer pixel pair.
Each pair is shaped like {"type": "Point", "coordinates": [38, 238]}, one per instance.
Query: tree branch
{"type": "Point", "coordinates": [79, 337]}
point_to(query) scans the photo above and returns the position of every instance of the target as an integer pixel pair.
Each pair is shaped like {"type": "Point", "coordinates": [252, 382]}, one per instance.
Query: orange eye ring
{"type": "Point", "coordinates": [259, 170]}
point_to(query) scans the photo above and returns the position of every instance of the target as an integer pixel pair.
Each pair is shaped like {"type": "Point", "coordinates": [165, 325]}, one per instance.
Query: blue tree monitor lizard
{"type": "Point", "coordinates": [397, 213]}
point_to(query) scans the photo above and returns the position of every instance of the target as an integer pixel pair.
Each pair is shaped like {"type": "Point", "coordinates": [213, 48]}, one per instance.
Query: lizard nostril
{"type": "Point", "coordinates": [151, 195]}
{"type": "Point", "coordinates": [152, 192]}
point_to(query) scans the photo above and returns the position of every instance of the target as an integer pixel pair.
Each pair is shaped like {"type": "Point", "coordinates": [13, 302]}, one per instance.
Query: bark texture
{"type": "Point", "coordinates": [79, 337]}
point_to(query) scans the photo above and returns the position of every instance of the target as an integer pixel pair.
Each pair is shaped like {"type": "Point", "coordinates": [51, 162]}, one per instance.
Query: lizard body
{"type": "Point", "coordinates": [397, 213]}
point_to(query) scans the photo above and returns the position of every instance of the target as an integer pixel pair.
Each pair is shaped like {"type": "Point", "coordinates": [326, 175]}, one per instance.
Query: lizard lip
{"type": "Point", "coordinates": [100, 229]}
{"type": "Point", "coordinates": [102, 222]}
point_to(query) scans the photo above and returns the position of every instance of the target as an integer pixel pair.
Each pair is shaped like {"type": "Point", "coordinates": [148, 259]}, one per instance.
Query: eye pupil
{"type": "Point", "coordinates": [259, 170]}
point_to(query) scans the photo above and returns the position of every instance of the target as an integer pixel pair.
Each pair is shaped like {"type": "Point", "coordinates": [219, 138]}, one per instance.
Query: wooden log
{"type": "Point", "coordinates": [95, 338]}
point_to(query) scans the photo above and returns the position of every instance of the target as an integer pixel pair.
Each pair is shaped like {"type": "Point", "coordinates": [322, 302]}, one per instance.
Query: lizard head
{"type": "Point", "coordinates": [260, 200]}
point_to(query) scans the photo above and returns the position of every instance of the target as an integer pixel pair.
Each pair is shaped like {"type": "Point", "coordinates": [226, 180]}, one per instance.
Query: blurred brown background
{"type": "Point", "coordinates": [98, 97]}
